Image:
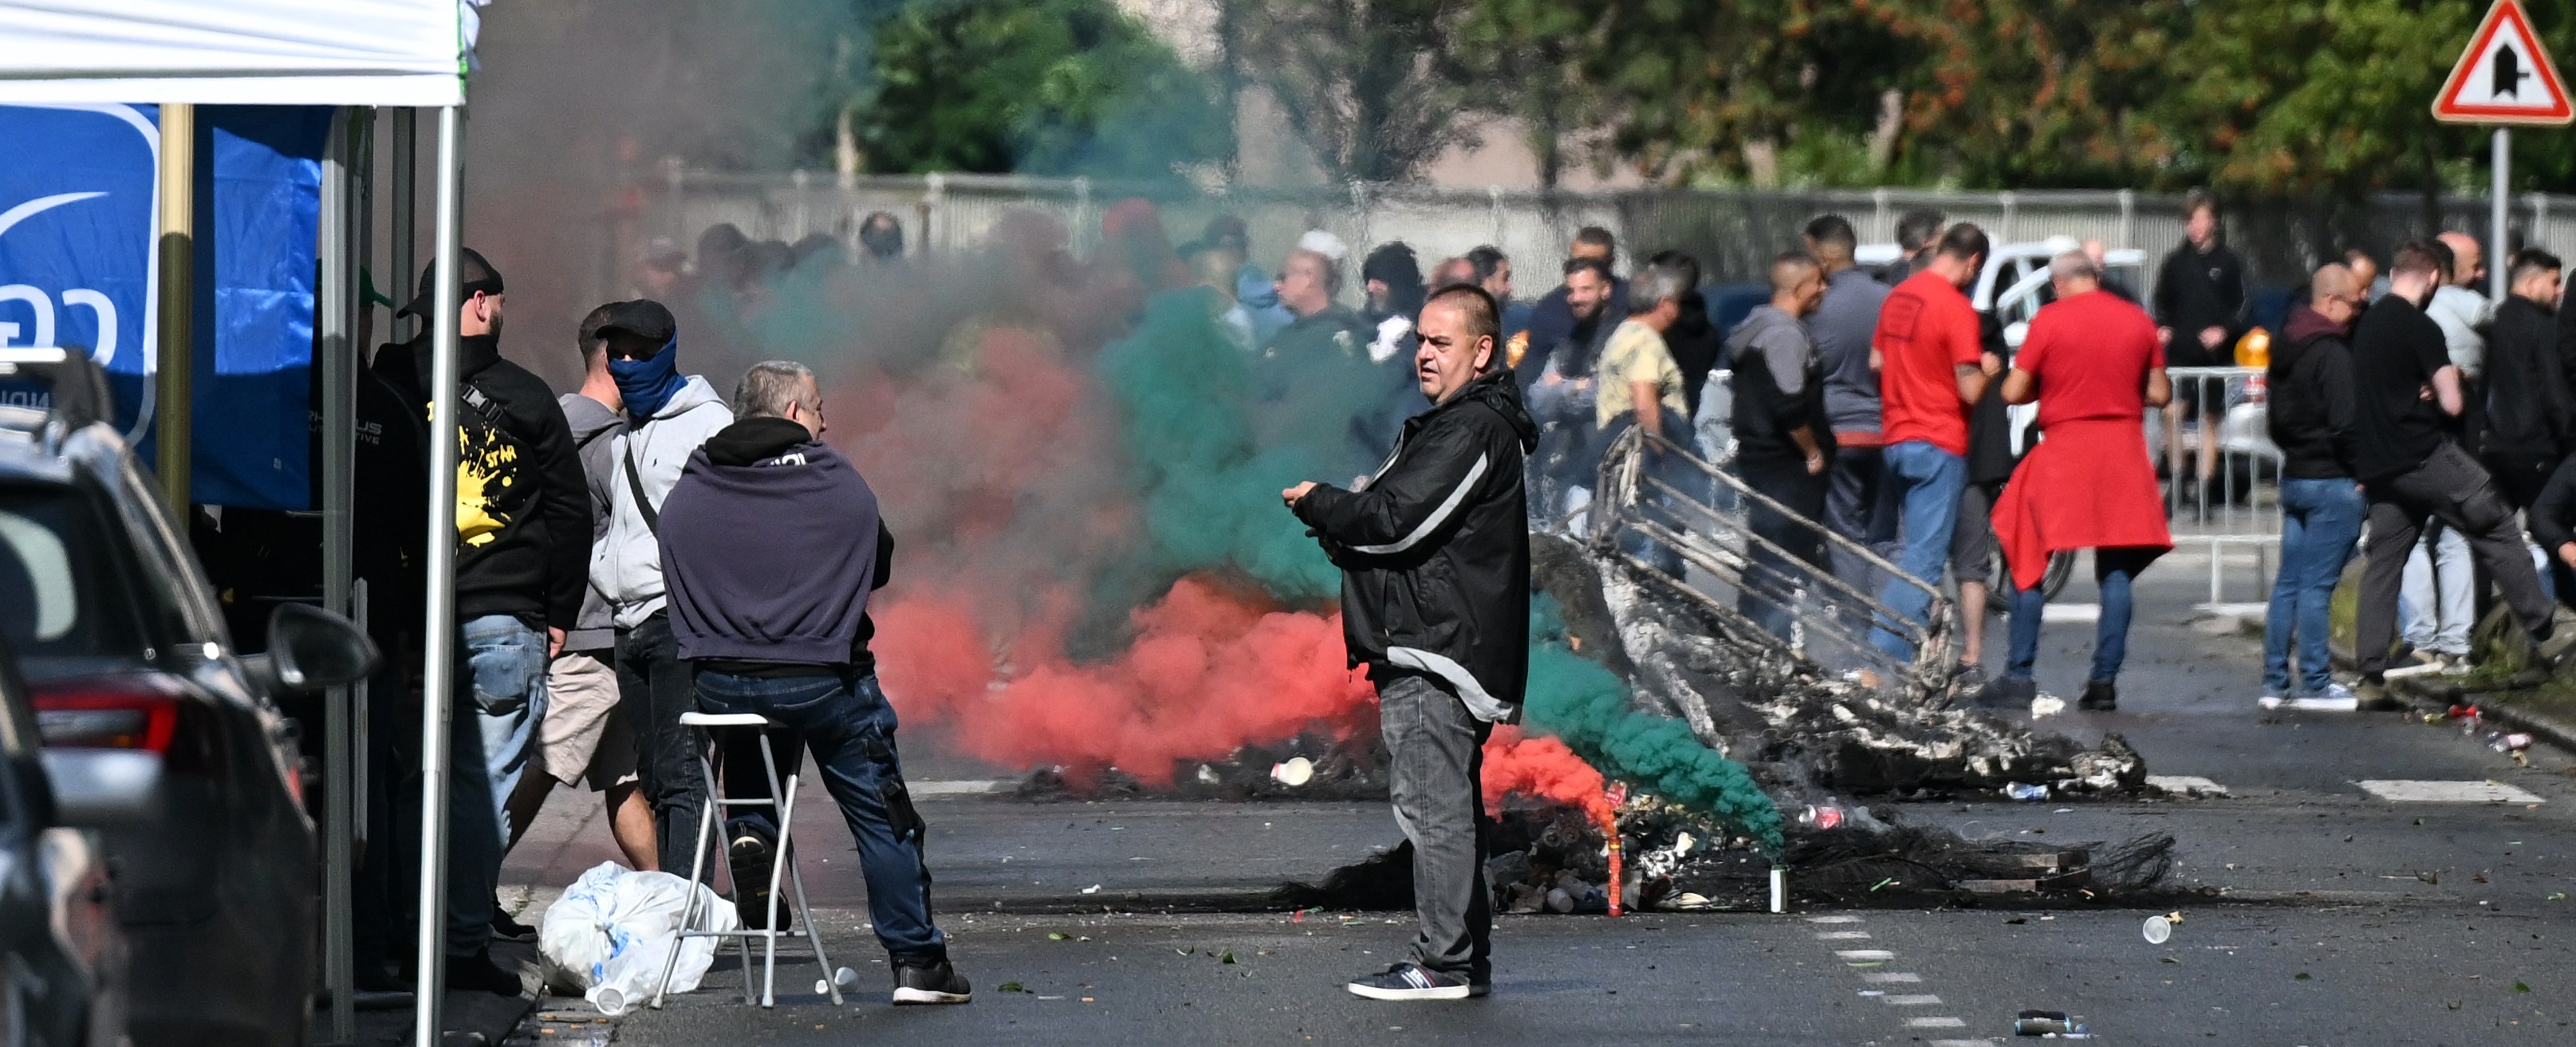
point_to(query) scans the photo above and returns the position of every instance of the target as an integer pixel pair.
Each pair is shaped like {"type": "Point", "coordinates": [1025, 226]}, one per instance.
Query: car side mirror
{"type": "Point", "coordinates": [103, 788]}
{"type": "Point", "coordinates": [310, 649]}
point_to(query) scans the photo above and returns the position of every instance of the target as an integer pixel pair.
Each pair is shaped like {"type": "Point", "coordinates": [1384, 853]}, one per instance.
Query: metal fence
{"type": "Point", "coordinates": [2223, 474]}
{"type": "Point", "coordinates": [1734, 233]}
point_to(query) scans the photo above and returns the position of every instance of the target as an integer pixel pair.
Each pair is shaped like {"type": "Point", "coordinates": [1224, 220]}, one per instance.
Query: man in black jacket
{"type": "Point", "coordinates": [2527, 427]}
{"type": "Point", "coordinates": [1435, 560]}
{"type": "Point", "coordinates": [1779, 448]}
{"type": "Point", "coordinates": [522, 566]}
{"type": "Point", "coordinates": [2405, 388]}
{"type": "Point", "coordinates": [1555, 317]}
{"type": "Point", "coordinates": [2201, 305]}
{"type": "Point", "coordinates": [2321, 506]}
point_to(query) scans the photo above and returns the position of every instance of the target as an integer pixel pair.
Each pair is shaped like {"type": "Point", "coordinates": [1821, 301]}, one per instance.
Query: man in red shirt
{"type": "Point", "coordinates": [2095, 365]}
{"type": "Point", "coordinates": [1926, 353]}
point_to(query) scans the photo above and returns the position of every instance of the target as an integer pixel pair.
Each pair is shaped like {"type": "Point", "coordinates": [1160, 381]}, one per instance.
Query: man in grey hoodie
{"type": "Point", "coordinates": [667, 417]}
{"type": "Point", "coordinates": [585, 732]}
{"type": "Point", "coordinates": [1779, 441]}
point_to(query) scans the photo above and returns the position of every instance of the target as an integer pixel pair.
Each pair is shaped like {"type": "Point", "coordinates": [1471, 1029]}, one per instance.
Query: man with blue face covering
{"type": "Point", "coordinates": [667, 416]}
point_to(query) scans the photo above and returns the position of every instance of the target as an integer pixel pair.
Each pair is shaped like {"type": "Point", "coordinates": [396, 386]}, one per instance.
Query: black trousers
{"type": "Point", "coordinates": [653, 688]}
{"type": "Point", "coordinates": [1772, 577]}
{"type": "Point", "coordinates": [2452, 488]}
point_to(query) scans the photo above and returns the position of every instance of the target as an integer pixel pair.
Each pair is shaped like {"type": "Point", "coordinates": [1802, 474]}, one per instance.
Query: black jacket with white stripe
{"type": "Point", "coordinates": [1434, 549]}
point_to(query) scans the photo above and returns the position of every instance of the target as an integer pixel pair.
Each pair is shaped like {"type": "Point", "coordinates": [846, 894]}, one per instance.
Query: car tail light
{"type": "Point", "coordinates": [126, 713]}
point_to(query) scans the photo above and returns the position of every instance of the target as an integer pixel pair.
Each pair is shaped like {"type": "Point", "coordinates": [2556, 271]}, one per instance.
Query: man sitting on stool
{"type": "Point", "coordinates": [774, 627]}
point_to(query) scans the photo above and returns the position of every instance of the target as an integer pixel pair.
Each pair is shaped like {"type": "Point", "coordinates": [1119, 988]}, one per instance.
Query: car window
{"type": "Point", "coordinates": [62, 584]}
{"type": "Point", "coordinates": [178, 592]}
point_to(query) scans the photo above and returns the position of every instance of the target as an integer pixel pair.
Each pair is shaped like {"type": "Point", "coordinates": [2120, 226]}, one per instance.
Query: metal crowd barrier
{"type": "Point", "coordinates": [1678, 511]}
{"type": "Point", "coordinates": [2222, 473]}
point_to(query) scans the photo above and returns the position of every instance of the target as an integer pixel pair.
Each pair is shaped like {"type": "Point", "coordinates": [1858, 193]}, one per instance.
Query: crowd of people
{"type": "Point", "coordinates": [603, 591]}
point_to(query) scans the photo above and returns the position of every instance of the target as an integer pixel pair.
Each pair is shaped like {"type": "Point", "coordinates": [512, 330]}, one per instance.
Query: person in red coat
{"type": "Point", "coordinates": [2093, 362]}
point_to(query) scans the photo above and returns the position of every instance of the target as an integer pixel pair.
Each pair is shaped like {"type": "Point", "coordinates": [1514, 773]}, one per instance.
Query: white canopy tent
{"type": "Point", "coordinates": [394, 53]}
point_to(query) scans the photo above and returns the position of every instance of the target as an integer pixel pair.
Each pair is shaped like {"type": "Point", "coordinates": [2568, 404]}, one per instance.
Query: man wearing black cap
{"type": "Point", "coordinates": [667, 416]}
{"type": "Point", "coordinates": [522, 558]}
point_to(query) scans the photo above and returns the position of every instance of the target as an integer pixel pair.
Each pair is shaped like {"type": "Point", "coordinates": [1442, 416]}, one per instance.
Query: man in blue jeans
{"type": "Point", "coordinates": [2310, 379]}
{"type": "Point", "coordinates": [779, 627]}
{"type": "Point", "coordinates": [522, 565]}
{"type": "Point", "coordinates": [1926, 351]}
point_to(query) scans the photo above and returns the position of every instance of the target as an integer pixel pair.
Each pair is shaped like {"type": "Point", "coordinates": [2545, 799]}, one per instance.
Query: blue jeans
{"type": "Point", "coordinates": [849, 725]}
{"type": "Point", "coordinates": [2320, 526]}
{"type": "Point", "coordinates": [499, 697]}
{"type": "Point", "coordinates": [2113, 570]}
{"type": "Point", "coordinates": [1918, 495]}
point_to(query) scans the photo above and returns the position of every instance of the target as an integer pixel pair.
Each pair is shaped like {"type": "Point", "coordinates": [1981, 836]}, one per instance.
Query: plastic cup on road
{"type": "Point", "coordinates": [2158, 930]}
{"type": "Point", "coordinates": [1294, 772]}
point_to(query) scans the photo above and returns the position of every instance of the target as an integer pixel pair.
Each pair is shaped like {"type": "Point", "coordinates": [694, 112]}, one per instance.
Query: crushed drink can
{"type": "Point", "coordinates": [2026, 791]}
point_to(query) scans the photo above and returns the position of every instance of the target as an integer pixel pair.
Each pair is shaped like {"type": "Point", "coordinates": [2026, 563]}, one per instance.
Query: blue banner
{"type": "Point", "coordinates": [77, 268]}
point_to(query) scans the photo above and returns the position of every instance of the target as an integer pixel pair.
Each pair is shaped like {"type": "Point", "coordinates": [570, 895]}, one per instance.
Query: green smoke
{"type": "Point", "coordinates": [1576, 699]}
{"type": "Point", "coordinates": [1209, 492]}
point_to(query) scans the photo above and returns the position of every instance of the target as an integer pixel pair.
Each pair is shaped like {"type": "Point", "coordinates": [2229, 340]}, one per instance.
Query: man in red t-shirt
{"type": "Point", "coordinates": [1926, 353]}
{"type": "Point", "coordinates": [2095, 365]}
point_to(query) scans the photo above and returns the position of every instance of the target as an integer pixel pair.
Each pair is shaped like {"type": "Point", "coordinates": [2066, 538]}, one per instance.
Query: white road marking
{"type": "Point", "coordinates": [1842, 936]}
{"type": "Point", "coordinates": [1963, 1043]}
{"type": "Point", "coordinates": [1864, 955]}
{"type": "Point", "coordinates": [1917, 1000]}
{"type": "Point", "coordinates": [1935, 1023]}
{"type": "Point", "coordinates": [2070, 612]}
{"type": "Point", "coordinates": [1890, 977]}
{"type": "Point", "coordinates": [959, 788]}
{"type": "Point", "coordinates": [2404, 791]}
{"type": "Point", "coordinates": [1833, 919]}
{"type": "Point", "coordinates": [2185, 785]}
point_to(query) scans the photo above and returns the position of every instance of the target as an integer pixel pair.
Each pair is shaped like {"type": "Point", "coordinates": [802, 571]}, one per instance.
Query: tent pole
{"type": "Point", "coordinates": [339, 390]}
{"type": "Point", "coordinates": [438, 641]}
{"type": "Point", "coordinates": [177, 364]}
{"type": "Point", "coordinates": [406, 214]}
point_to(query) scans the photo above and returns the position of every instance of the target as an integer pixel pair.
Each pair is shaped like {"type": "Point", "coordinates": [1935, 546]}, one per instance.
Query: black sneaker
{"type": "Point", "coordinates": [2099, 696]}
{"type": "Point", "coordinates": [508, 929]}
{"type": "Point", "coordinates": [1969, 684]}
{"type": "Point", "coordinates": [2371, 696]}
{"type": "Point", "coordinates": [2008, 693]}
{"type": "Point", "coordinates": [1412, 981]}
{"type": "Point", "coordinates": [753, 854]}
{"type": "Point", "coordinates": [931, 983]}
{"type": "Point", "coordinates": [477, 973]}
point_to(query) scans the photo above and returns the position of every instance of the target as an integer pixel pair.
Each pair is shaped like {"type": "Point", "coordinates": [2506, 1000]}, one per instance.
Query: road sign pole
{"type": "Point", "coordinates": [2499, 252]}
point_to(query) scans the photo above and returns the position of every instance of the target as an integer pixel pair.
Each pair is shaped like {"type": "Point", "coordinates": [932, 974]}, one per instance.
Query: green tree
{"type": "Point", "coordinates": [1031, 86]}
{"type": "Point", "coordinates": [2321, 94]}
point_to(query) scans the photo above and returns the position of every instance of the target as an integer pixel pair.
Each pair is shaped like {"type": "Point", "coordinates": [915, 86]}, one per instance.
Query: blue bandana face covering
{"type": "Point", "coordinates": [649, 383]}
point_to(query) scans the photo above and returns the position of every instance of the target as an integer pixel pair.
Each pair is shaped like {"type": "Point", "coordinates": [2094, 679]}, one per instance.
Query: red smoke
{"type": "Point", "coordinates": [1542, 767]}
{"type": "Point", "coordinates": [1209, 671]}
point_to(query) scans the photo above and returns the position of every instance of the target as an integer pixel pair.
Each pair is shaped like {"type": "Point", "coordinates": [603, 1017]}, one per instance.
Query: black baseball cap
{"type": "Point", "coordinates": [644, 318]}
{"type": "Point", "coordinates": [479, 276]}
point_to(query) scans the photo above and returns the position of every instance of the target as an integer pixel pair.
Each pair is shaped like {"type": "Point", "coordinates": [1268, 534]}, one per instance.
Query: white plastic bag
{"type": "Point", "coordinates": [614, 928]}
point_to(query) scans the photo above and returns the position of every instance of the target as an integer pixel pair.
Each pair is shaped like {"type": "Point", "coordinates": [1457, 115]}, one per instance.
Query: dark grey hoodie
{"type": "Point", "coordinates": [1779, 384]}
{"type": "Point", "coordinates": [769, 549]}
{"type": "Point", "coordinates": [594, 437]}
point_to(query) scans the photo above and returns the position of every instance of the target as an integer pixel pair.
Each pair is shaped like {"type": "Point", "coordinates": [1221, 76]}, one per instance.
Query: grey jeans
{"type": "Point", "coordinates": [1435, 749]}
{"type": "Point", "coordinates": [2453, 488]}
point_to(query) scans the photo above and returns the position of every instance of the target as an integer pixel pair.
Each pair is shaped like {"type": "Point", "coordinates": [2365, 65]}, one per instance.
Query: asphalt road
{"type": "Point", "coordinates": [2339, 917]}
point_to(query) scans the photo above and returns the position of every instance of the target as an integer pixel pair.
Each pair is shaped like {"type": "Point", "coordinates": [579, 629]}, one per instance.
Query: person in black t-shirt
{"type": "Point", "coordinates": [2405, 388]}
{"type": "Point", "coordinates": [2201, 304]}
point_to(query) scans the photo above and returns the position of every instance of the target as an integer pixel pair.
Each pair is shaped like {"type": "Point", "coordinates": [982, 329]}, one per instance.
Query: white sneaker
{"type": "Point", "coordinates": [2424, 663]}
{"type": "Point", "coordinates": [2336, 698]}
{"type": "Point", "coordinates": [2455, 665]}
{"type": "Point", "coordinates": [2270, 700]}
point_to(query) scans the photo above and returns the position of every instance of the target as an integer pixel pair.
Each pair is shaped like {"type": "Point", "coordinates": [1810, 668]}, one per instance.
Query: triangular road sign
{"type": "Point", "coordinates": [2504, 77]}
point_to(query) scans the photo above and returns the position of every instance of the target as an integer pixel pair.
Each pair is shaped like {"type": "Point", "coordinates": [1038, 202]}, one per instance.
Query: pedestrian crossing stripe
{"type": "Point", "coordinates": [2411, 791]}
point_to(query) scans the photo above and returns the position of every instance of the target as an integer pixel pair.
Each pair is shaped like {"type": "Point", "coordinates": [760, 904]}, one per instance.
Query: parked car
{"type": "Point", "coordinates": [59, 938]}
{"type": "Point", "coordinates": [124, 652]}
